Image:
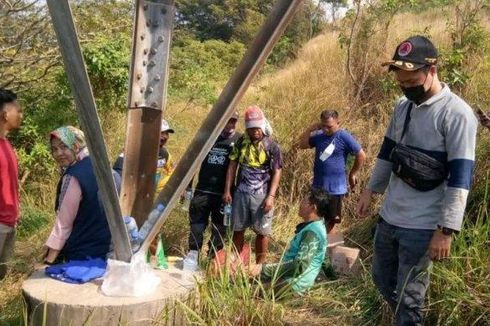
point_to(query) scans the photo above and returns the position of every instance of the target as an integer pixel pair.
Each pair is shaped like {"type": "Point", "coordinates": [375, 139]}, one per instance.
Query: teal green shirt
{"type": "Point", "coordinates": [303, 259]}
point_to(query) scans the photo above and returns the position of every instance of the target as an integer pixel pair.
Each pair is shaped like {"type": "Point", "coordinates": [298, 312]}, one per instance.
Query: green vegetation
{"type": "Point", "coordinates": [316, 65]}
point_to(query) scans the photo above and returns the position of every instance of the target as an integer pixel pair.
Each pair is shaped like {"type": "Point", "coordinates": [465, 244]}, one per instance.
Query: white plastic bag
{"type": "Point", "coordinates": [134, 279]}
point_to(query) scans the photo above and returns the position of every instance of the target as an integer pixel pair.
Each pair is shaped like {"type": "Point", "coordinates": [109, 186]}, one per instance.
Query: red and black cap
{"type": "Point", "coordinates": [413, 54]}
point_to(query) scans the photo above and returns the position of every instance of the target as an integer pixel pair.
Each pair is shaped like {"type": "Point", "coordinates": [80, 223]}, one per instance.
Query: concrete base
{"type": "Point", "coordinates": [52, 302]}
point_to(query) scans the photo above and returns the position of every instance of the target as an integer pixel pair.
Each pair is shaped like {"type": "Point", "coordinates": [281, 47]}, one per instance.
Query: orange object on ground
{"type": "Point", "coordinates": [228, 258]}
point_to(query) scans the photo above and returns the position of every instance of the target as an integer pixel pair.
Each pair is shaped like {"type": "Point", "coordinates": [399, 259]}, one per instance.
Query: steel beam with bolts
{"type": "Point", "coordinates": [147, 97]}
{"type": "Point", "coordinates": [258, 51]}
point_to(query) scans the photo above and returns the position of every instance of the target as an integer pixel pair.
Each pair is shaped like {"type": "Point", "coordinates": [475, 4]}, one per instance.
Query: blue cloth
{"type": "Point", "coordinates": [78, 271]}
{"type": "Point", "coordinates": [90, 236]}
{"type": "Point", "coordinates": [401, 268]}
{"type": "Point", "coordinates": [330, 175]}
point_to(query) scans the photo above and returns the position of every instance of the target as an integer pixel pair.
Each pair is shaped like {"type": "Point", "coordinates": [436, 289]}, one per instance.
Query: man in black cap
{"type": "Point", "coordinates": [425, 166]}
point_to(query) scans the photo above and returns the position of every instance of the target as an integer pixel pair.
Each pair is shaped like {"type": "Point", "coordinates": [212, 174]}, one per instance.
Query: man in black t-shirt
{"type": "Point", "coordinates": [209, 191]}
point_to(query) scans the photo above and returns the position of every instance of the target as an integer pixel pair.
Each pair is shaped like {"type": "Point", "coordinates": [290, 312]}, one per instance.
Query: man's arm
{"type": "Point", "coordinates": [358, 163]}
{"type": "Point", "coordinates": [304, 139]}
{"type": "Point", "coordinates": [276, 177]}
{"type": "Point", "coordinates": [230, 180]}
{"type": "Point", "coordinates": [460, 146]}
{"type": "Point", "coordinates": [269, 201]}
{"type": "Point", "coordinates": [460, 140]}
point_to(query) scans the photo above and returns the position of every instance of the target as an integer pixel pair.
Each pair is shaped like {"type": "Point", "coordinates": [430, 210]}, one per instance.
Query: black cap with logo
{"type": "Point", "coordinates": [413, 54]}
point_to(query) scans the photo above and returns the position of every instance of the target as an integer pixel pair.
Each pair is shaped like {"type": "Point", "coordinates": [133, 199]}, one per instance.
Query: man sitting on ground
{"type": "Point", "coordinates": [303, 259]}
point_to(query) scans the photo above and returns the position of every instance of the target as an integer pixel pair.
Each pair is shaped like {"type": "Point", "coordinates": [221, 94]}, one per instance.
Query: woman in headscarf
{"type": "Point", "coordinates": [80, 230]}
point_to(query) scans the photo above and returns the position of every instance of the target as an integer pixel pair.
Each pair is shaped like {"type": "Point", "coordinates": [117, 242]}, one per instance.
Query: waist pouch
{"type": "Point", "coordinates": [419, 170]}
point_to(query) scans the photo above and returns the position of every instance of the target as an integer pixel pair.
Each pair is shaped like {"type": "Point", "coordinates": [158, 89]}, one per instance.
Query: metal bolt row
{"type": "Point", "coordinates": [153, 51]}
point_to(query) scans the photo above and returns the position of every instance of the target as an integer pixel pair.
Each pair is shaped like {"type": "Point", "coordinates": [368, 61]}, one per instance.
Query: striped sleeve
{"type": "Point", "coordinates": [460, 129]}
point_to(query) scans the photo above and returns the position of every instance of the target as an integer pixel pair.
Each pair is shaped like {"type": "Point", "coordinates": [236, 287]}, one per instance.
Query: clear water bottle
{"type": "Point", "coordinates": [227, 215]}
{"type": "Point", "coordinates": [152, 218]}
{"type": "Point", "coordinates": [132, 229]}
{"type": "Point", "coordinates": [187, 200]}
{"type": "Point", "coordinates": [191, 261]}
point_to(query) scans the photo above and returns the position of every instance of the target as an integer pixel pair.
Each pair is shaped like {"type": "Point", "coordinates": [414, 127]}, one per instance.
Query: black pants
{"type": "Point", "coordinates": [202, 207]}
{"type": "Point", "coordinates": [334, 215]}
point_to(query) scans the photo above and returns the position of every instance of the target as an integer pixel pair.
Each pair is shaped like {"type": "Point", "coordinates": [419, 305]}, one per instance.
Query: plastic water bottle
{"type": "Point", "coordinates": [187, 200]}
{"type": "Point", "coordinates": [154, 215]}
{"type": "Point", "coordinates": [190, 261]}
{"type": "Point", "coordinates": [132, 229]}
{"type": "Point", "coordinates": [227, 215]}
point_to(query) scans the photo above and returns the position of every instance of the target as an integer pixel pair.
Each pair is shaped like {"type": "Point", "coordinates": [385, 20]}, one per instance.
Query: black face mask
{"type": "Point", "coordinates": [416, 93]}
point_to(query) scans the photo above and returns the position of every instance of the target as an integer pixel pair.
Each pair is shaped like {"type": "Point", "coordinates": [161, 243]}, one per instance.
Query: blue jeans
{"type": "Point", "coordinates": [401, 268]}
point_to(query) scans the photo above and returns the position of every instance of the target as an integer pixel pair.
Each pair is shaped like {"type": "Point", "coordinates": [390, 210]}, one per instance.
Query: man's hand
{"type": "Point", "coordinates": [227, 197]}
{"type": "Point", "coordinates": [353, 181]}
{"type": "Point", "coordinates": [268, 204]}
{"type": "Point", "coordinates": [440, 245]}
{"type": "Point", "coordinates": [364, 203]}
{"type": "Point", "coordinates": [315, 126]}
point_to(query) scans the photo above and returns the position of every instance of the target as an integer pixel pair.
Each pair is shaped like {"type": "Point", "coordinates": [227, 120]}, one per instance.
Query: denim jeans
{"type": "Point", "coordinates": [401, 268]}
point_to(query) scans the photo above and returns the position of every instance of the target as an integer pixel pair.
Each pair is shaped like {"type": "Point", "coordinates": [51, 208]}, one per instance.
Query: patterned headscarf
{"type": "Point", "coordinates": [70, 136]}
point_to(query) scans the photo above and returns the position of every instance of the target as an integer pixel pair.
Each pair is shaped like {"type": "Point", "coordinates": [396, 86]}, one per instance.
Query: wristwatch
{"type": "Point", "coordinates": [446, 231]}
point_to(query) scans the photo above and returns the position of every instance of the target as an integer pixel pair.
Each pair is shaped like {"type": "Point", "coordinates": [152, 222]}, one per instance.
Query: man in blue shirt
{"type": "Point", "coordinates": [332, 146]}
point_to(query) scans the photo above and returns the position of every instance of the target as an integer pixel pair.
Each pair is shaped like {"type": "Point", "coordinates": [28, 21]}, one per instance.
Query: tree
{"type": "Point", "coordinates": [222, 19]}
{"type": "Point", "coordinates": [28, 50]}
{"type": "Point", "coordinates": [240, 20]}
